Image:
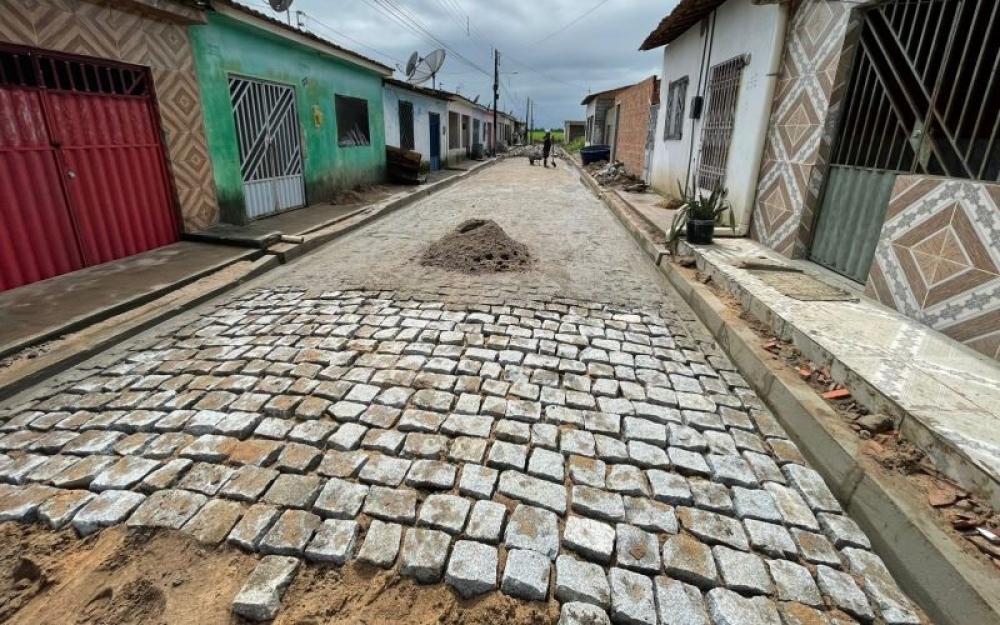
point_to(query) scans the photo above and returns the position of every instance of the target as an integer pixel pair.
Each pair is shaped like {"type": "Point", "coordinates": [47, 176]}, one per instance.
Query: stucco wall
{"type": "Point", "coordinates": [422, 107]}
{"type": "Point", "coordinates": [633, 123]}
{"type": "Point", "coordinates": [741, 28]}
{"type": "Point", "coordinates": [132, 33]}
{"type": "Point", "coordinates": [225, 46]}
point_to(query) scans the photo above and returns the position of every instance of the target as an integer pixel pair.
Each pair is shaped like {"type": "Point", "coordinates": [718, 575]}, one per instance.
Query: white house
{"type": "Point", "coordinates": [468, 125]}
{"type": "Point", "coordinates": [720, 69]}
{"type": "Point", "coordinates": [416, 119]}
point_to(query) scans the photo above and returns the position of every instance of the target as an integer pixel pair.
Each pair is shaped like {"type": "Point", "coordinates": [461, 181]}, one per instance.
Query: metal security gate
{"type": "Point", "coordinates": [434, 131]}
{"type": "Point", "coordinates": [83, 176]}
{"type": "Point", "coordinates": [923, 99]}
{"type": "Point", "coordinates": [406, 125]}
{"type": "Point", "coordinates": [267, 131]}
{"type": "Point", "coordinates": [720, 116]}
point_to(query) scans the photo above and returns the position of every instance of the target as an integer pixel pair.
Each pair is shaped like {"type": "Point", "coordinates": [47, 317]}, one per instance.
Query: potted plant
{"type": "Point", "coordinates": [698, 215]}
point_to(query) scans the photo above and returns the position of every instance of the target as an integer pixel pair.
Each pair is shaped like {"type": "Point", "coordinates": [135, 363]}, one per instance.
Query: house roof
{"type": "Point", "coordinates": [685, 15]}
{"type": "Point", "coordinates": [608, 93]}
{"type": "Point", "coordinates": [431, 93]}
{"type": "Point", "coordinates": [309, 38]}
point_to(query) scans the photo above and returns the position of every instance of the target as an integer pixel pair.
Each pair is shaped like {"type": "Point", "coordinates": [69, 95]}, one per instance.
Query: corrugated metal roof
{"type": "Point", "coordinates": [685, 15]}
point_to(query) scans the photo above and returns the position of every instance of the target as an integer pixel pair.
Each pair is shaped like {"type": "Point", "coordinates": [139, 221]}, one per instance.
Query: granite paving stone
{"type": "Point", "coordinates": [743, 572]}
{"type": "Point", "coordinates": [444, 512]}
{"type": "Point", "coordinates": [793, 582]}
{"type": "Point", "coordinates": [599, 504]}
{"type": "Point", "coordinates": [580, 613]}
{"type": "Point", "coordinates": [290, 533]}
{"type": "Point", "coordinates": [591, 539]}
{"type": "Point", "coordinates": [109, 508]}
{"type": "Point", "coordinates": [728, 608]}
{"type": "Point", "coordinates": [293, 491]}
{"type": "Point", "coordinates": [650, 515]}
{"type": "Point", "coordinates": [632, 598]}
{"type": "Point", "coordinates": [526, 575]}
{"type": "Point", "coordinates": [259, 599]}
{"type": "Point", "coordinates": [472, 568]}
{"type": "Point", "coordinates": [577, 580]}
{"type": "Point", "coordinates": [340, 499]}
{"type": "Point", "coordinates": [391, 504]}
{"type": "Point", "coordinates": [334, 542]}
{"type": "Point", "coordinates": [535, 529]}
{"type": "Point", "coordinates": [381, 544]}
{"type": "Point", "coordinates": [532, 490]}
{"type": "Point", "coordinates": [713, 528]}
{"type": "Point", "coordinates": [637, 549]}
{"type": "Point", "coordinates": [424, 554]}
{"type": "Point", "coordinates": [256, 521]}
{"type": "Point", "coordinates": [844, 593]}
{"type": "Point", "coordinates": [893, 605]}
{"type": "Point", "coordinates": [213, 521]}
{"type": "Point", "coordinates": [689, 560]}
{"type": "Point", "coordinates": [679, 603]}
{"type": "Point", "coordinates": [58, 510]}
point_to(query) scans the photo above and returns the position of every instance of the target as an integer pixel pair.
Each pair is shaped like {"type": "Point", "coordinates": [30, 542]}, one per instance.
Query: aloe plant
{"type": "Point", "coordinates": [698, 207]}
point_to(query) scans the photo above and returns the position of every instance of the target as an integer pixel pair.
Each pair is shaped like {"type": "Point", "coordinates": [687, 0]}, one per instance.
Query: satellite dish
{"type": "Point", "coordinates": [280, 5]}
{"type": "Point", "coordinates": [475, 100]}
{"type": "Point", "coordinates": [412, 64]}
{"type": "Point", "coordinates": [426, 68]}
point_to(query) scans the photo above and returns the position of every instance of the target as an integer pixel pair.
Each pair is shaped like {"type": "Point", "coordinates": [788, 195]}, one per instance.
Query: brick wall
{"type": "Point", "coordinates": [635, 102]}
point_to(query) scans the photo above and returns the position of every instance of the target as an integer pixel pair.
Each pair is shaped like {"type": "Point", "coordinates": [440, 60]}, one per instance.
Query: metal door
{"type": "Point", "coordinates": [435, 138]}
{"type": "Point", "coordinates": [406, 125]}
{"type": "Point", "coordinates": [267, 132]}
{"type": "Point", "coordinates": [922, 99]}
{"type": "Point", "coordinates": [83, 176]}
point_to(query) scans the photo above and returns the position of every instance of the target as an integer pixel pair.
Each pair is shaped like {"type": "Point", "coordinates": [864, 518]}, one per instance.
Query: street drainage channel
{"type": "Point", "coordinates": [477, 246]}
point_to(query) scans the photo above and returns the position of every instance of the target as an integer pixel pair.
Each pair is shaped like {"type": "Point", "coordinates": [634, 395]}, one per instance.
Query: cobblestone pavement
{"type": "Point", "coordinates": [548, 434]}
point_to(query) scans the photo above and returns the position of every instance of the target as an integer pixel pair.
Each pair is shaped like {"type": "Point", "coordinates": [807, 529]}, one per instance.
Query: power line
{"type": "Point", "coordinates": [559, 30]}
{"type": "Point", "coordinates": [352, 40]}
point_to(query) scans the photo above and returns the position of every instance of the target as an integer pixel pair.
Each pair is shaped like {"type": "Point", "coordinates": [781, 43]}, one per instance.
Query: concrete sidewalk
{"type": "Point", "coordinates": [44, 310]}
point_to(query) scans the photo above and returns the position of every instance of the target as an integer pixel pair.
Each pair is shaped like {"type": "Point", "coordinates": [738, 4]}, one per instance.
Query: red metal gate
{"type": "Point", "coordinates": [83, 177]}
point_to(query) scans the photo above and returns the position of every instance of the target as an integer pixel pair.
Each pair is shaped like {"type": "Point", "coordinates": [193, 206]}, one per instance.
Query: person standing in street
{"type": "Point", "coordinates": [547, 149]}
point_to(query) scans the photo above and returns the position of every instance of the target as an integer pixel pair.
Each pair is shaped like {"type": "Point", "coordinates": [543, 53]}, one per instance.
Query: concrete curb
{"type": "Point", "coordinates": [949, 584]}
{"type": "Point", "coordinates": [112, 326]}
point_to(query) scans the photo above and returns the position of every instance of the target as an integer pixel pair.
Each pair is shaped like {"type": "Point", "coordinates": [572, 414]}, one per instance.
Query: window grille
{"type": "Point", "coordinates": [717, 127]}
{"type": "Point", "coordinates": [673, 127]}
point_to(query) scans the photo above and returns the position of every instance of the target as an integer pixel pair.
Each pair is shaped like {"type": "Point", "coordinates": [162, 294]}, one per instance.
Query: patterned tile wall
{"type": "Point", "coordinates": [938, 258]}
{"type": "Point", "coordinates": [133, 33]}
{"type": "Point", "coordinates": [818, 51]}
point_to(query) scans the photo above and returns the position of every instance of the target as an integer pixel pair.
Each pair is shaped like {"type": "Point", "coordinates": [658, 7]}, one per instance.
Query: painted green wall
{"type": "Point", "coordinates": [225, 46]}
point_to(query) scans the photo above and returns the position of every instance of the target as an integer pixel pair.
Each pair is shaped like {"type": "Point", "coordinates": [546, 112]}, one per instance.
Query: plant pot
{"type": "Point", "coordinates": [700, 232]}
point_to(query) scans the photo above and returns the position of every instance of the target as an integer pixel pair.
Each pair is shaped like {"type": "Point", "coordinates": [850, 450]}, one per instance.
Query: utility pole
{"type": "Point", "coordinates": [527, 114]}
{"type": "Point", "coordinates": [496, 94]}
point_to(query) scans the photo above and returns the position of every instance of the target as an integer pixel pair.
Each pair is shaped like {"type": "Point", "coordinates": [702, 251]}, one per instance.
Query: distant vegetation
{"type": "Point", "coordinates": [575, 146]}
{"type": "Point", "coordinates": [539, 134]}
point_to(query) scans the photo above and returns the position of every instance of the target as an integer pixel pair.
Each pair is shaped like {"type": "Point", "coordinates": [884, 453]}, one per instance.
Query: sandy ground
{"type": "Point", "coordinates": [123, 576]}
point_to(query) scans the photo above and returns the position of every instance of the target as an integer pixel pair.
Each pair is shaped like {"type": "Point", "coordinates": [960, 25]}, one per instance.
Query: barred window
{"type": "Point", "coordinates": [673, 127]}
{"type": "Point", "coordinates": [352, 121]}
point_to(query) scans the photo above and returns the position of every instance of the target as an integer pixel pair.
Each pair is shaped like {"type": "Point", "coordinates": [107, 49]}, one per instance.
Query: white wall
{"type": "Point", "coordinates": [740, 28]}
{"type": "Point", "coordinates": [422, 106]}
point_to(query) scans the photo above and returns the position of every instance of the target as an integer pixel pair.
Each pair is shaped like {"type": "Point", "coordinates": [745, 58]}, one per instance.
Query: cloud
{"type": "Point", "coordinates": [556, 72]}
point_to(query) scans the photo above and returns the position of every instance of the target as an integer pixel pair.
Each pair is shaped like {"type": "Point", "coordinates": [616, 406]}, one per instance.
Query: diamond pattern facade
{"type": "Point", "coordinates": [818, 49]}
{"type": "Point", "coordinates": [142, 32]}
{"type": "Point", "coordinates": [938, 259]}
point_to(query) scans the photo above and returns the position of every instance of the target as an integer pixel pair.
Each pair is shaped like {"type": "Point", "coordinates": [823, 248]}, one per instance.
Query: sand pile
{"type": "Point", "coordinates": [477, 246]}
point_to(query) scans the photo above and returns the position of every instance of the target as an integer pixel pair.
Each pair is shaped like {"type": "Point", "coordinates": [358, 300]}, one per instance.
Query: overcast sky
{"type": "Point", "coordinates": [598, 52]}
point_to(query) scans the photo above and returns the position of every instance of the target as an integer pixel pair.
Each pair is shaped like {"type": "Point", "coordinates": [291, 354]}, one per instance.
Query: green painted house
{"type": "Point", "coordinates": [290, 118]}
